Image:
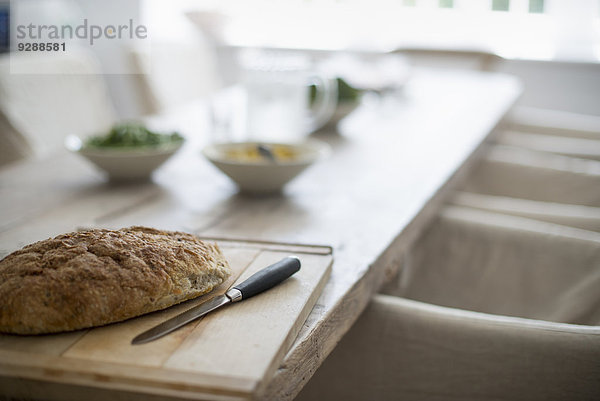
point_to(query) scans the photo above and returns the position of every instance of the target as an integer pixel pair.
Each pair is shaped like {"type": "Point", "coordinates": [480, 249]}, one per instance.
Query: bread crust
{"type": "Point", "coordinates": [95, 277]}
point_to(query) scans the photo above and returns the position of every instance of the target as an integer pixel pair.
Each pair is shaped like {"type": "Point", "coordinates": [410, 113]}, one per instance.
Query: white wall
{"type": "Point", "coordinates": [557, 85]}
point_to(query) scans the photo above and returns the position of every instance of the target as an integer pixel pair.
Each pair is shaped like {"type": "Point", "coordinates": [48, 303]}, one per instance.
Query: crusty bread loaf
{"type": "Point", "coordinates": [95, 277]}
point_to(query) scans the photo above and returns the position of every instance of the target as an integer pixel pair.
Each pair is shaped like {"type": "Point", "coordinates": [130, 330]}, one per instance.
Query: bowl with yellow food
{"type": "Point", "coordinates": [264, 167]}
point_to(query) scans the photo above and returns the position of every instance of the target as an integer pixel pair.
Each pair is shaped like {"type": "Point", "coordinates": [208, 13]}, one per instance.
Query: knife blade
{"type": "Point", "coordinates": [260, 281]}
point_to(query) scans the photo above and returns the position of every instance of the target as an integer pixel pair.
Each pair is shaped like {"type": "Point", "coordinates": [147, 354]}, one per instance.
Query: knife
{"type": "Point", "coordinates": [260, 281]}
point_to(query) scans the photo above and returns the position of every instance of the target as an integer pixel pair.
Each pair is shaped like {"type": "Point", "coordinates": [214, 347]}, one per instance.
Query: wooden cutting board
{"type": "Point", "coordinates": [228, 355]}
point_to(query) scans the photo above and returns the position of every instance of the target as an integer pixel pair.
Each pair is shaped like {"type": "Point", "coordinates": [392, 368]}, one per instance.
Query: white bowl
{"type": "Point", "coordinates": [125, 164]}
{"type": "Point", "coordinates": [261, 175]}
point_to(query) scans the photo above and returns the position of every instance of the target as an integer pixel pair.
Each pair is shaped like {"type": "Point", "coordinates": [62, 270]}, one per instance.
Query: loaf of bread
{"type": "Point", "coordinates": [94, 277]}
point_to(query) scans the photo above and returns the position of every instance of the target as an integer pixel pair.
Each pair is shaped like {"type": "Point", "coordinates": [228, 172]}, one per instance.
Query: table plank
{"type": "Point", "coordinates": [33, 186]}
{"type": "Point", "coordinates": [85, 211]}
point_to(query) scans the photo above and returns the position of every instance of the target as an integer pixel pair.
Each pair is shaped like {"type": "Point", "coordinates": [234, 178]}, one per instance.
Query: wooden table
{"type": "Point", "coordinates": [386, 177]}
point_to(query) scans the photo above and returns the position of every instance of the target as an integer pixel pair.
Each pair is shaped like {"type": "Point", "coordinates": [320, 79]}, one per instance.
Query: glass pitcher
{"type": "Point", "coordinates": [280, 105]}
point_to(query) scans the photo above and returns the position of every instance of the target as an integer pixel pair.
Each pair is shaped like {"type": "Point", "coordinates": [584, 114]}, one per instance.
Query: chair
{"type": "Point", "coordinates": [552, 131]}
{"type": "Point", "coordinates": [578, 216]}
{"type": "Point", "coordinates": [212, 26]}
{"type": "Point", "coordinates": [561, 145]}
{"type": "Point", "coordinates": [13, 146]}
{"type": "Point", "coordinates": [537, 176]}
{"type": "Point", "coordinates": [505, 265]}
{"type": "Point", "coordinates": [535, 171]}
{"type": "Point", "coordinates": [401, 349]}
{"type": "Point", "coordinates": [486, 306]}
{"type": "Point", "coordinates": [553, 122]}
{"type": "Point", "coordinates": [45, 97]}
{"type": "Point", "coordinates": [173, 74]}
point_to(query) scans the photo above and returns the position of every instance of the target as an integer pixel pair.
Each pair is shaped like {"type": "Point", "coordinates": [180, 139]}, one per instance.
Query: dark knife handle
{"type": "Point", "coordinates": [268, 277]}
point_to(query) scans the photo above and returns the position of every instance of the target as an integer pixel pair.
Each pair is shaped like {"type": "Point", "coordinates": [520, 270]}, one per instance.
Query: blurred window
{"type": "Point", "coordinates": [536, 6]}
{"type": "Point", "coordinates": [500, 5]}
{"type": "Point", "coordinates": [530, 29]}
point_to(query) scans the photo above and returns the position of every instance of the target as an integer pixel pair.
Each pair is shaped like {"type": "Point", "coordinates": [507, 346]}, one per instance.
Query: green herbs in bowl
{"type": "Point", "coordinates": [131, 135]}
{"type": "Point", "coordinates": [128, 151]}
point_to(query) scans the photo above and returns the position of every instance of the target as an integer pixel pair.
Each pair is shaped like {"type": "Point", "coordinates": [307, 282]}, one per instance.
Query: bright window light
{"type": "Point", "coordinates": [536, 6]}
{"type": "Point", "coordinates": [500, 5]}
{"type": "Point", "coordinates": [529, 29]}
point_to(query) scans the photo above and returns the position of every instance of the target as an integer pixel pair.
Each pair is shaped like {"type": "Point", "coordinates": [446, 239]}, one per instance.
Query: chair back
{"type": "Point", "coordinates": [45, 98]}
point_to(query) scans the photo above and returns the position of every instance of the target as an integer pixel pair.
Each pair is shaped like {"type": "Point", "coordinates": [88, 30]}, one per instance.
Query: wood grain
{"type": "Point", "coordinates": [214, 344]}
{"type": "Point", "coordinates": [51, 344]}
{"type": "Point", "coordinates": [19, 369]}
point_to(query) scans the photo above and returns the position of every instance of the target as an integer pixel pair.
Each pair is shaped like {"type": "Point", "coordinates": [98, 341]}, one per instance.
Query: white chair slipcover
{"type": "Point", "coordinates": [578, 216]}
{"type": "Point", "coordinates": [539, 176]}
{"type": "Point", "coordinates": [454, 339]}
{"type": "Point", "coordinates": [401, 349]}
